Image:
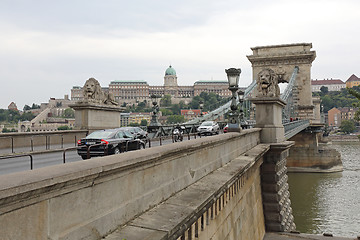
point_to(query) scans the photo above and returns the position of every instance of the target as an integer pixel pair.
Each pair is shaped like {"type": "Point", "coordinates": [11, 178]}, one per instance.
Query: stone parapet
{"type": "Point", "coordinates": [275, 189]}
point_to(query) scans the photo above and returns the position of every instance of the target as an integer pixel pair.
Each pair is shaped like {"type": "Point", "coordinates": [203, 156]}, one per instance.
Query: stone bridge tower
{"type": "Point", "coordinates": [284, 58]}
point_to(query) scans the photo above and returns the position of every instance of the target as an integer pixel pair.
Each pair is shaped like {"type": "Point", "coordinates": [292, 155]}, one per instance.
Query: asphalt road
{"type": "Point", "coordinates": [45, 159]}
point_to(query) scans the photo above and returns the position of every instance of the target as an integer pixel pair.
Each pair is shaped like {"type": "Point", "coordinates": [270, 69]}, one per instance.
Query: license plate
{"type": "Point", "coordinates": [90, 143]}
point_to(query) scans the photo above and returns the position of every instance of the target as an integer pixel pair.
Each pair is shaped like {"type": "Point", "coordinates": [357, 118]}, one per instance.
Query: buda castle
{"type": "Point", "coordinates": [136, 91]}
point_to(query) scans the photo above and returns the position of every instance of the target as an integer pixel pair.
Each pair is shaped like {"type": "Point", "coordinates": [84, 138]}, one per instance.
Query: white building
{"type": "Point", "coordinates": [331, 84]}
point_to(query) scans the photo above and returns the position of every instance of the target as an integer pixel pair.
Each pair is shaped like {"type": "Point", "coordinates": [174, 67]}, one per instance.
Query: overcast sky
{"type": "Point", "coordinates": [47, 47]}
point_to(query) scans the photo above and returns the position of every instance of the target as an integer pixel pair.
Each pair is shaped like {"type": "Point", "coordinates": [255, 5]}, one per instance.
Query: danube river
{"type": "Point", "coordinates": [329, 202]}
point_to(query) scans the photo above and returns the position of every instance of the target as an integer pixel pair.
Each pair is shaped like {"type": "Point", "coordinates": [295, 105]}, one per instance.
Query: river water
{"type": "Point", "coordinates": [329, 202]}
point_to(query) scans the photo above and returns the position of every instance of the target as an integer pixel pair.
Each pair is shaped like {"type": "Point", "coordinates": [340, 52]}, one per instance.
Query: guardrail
{"type": "Point", "coordinates": [17, 156]}
{"type": "Point", "coordinates": [28, 142]}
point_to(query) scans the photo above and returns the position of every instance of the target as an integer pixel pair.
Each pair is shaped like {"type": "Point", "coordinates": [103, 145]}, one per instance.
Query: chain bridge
{"type": "Point", "coordinates": [229, 186]}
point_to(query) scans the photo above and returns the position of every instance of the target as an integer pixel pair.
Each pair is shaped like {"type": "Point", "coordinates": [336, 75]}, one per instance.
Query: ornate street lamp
{"type": "Point", "coordinates": [201, 105]}
{"type": "Point", "coordinates": [241, 100]}
{"type": "Point", "coordinates": [233, 75]}
{"type": "Point", "coordinates": [154, 121]}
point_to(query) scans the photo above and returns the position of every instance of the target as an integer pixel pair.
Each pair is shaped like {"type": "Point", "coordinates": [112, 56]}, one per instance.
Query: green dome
{"type": "Point", "coordinates": [170, 71]}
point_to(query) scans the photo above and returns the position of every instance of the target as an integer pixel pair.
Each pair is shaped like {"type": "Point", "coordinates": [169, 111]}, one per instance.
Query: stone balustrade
{"type": "Point", "coordinates": [92, 198]}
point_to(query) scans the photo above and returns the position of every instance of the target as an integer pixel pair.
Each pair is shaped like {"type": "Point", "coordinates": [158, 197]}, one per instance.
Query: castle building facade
{"type": "Point", "coordinates": [135, 91]}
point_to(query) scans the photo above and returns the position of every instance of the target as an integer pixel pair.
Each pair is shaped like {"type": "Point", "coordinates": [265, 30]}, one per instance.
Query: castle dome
{"type": "Point", "coordinates": [170, 71]}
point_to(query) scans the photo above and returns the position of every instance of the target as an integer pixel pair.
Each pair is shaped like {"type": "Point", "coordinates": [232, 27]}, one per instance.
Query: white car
{"type": "Point", "coordinates": [209, 128]}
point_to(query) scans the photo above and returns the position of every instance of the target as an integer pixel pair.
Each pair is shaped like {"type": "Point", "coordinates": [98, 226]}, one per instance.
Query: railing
{"type": "Point", "coordinates": [294, 127]}
{"type": "Point", "coordinates": [17, 156]}
{"type": "Point", "coordinates": [28, 142]}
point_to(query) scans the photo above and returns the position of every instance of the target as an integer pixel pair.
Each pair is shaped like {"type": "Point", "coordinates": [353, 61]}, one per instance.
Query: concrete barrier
{"type": "Point", "coordinates": [92, 198]}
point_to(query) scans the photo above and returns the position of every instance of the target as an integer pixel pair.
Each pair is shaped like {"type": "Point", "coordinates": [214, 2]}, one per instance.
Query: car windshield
{"type": "Point", "coordinates": [100, 134]}
{"type": "Point", "coordinates": [207, 124]}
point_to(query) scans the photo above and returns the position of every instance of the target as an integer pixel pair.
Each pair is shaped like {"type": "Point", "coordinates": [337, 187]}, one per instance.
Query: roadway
{"type": "Point", "coordinates": [53, 156]}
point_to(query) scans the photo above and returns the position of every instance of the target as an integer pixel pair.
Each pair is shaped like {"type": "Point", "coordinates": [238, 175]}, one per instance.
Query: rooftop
{"type": "Point", "coordinates": [353, 78]}
{"type": "Point", "coordinates": [326, 82]}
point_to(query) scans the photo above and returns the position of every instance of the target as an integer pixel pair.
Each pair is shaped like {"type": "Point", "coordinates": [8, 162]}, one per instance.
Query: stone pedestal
{"type": "Point", "coordinates": [95, 117]}
{"type": "Point", "coordinates": [275, 189]}
{"type": "Point", "coordinates": [269, 118]}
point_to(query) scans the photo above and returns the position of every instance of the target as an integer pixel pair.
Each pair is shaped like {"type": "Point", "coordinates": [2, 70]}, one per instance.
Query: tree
{"type": "Point", "coordinates": [166, 101]}
{"type": "Point", "coordinates": [26, 107]}
{"type": "Point", "coordinates": [63, 128]}
{"type": "Point", "coordinates": [175, 119]}
{"type": "Point", "coordinates": [324, 90]}
{"type": "Point", "coordinates": [356, 104]}
{"type": "Point", "coordinates": [143, 122]}
{"type": "Point", "coordinates": [347, 126]}
{"type": "Point", "coordinates": [69, 113]}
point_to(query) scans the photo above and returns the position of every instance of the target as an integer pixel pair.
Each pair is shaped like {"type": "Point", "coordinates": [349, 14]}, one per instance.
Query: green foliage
{"type": "Point", "coordinates": [166, 112]}
{"type": "Point", "coordinates": [337, 99]}
{"type": "Point", "coordinates": [165, 101]}
{"type": "Point", "coordinates": [175, 119]}
{"type": "Point", "coordinates": [5, 130]}
{"type": "Point", "coordinates": [347, 126]}
{"type": "Point", "coordinates": [324, 90]}
{"type": "Point", "coordinates": [69, 113]}
{"type": "Point", "coordinates": [134, 124]}
{"type": "Point", "coordinates": [356, 104]}
{"type": "Point", "coordinates": [143, 122]}
{"type": "Point", "coordinates": [61, 128]}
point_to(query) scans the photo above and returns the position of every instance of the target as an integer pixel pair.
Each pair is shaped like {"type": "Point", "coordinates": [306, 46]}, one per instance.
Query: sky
{"type": "Point", "coordinates": [47, 47]}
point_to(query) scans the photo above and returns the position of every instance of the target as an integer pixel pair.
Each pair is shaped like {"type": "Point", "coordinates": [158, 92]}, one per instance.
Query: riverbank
{"type": "Point", "coordinates": [342, 138]}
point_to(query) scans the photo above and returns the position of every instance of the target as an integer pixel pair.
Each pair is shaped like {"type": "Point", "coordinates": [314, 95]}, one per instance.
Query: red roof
{"type": "Point", "coordinates": [326, 82]}
{"type": "Point", "coordinates": [353, 78]}
{"type": "Point", "coordinates": [190, 111]}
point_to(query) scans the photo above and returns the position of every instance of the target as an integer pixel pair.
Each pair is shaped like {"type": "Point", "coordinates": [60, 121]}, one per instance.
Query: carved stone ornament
{"type": "Point", "coordinates": [267, 84]}
{"type": "Point", "coordinates": [93, 93]}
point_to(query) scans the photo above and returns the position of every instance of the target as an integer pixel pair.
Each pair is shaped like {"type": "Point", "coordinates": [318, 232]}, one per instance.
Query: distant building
{"type": "Point", "coordinates": [12, 106]}
{"type": "Point", "coordinates": [337, 115]}
{"type": "Point", "coordinates": [334, 117]}
{"type": "Point", "coordinates": [352, 81]}
{"type": "Point", "coordinates": [331, 84]}
{"type": "Point", "coordinates": [190, 114]}
{"type": "Point", "coordinates": [135, 91]}
{"type": "Point", "coordinates": [128, 118]}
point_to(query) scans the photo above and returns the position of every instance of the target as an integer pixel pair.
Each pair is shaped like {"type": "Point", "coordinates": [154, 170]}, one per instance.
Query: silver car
{"type": "Point", "coordinates": [208, 128]}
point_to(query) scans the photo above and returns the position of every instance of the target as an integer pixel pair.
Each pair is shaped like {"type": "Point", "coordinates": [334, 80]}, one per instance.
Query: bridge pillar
{"type": "Point", "coordinates": [269, 118]}
{"type": "Point", "coordinates": [275, 189]}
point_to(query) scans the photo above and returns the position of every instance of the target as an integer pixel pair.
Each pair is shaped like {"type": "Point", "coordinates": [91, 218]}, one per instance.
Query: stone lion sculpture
{"type": "Point", "coordinates": [93, 93]}
{"type": "Point", "coordinates": [267, 84]}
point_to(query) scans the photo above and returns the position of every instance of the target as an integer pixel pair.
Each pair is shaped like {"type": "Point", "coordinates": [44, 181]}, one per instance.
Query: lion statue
{"type": "Point", "coordinates": [267, 84]}
{"type": "Point", "coordinates": [93, 93]}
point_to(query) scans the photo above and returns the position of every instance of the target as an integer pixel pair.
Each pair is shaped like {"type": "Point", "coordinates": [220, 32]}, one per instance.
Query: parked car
{"type": "Point", "coordinates": [226, 128]}
{"type": "Point", "coordinates": [208, 128]}
{"type": "Point", "coordinates": [107, 142]}
{"type": "Point", "coordinates": [138, 133]}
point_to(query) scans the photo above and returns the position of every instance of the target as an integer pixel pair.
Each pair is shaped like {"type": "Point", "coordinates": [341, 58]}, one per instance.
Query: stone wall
{"type": "Point", "coordinates": [309, 156]}
{"type": "Point", "coordinates": [90, 199]}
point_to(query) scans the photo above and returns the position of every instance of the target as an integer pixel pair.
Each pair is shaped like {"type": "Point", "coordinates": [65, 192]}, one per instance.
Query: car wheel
{"type": "Point", "coordinates": [117, 150]}
{"type": "Point", "coordinates": [84, 157]}
{"type": "Point", "coordinates": [142, 146]}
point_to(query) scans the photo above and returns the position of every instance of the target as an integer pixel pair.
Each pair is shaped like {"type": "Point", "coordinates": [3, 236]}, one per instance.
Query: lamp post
{"type": "Point", "coordinates": [241, 100]}
{"type": "Point", "coordinates": [233, 75]}
{"type": "Point", "coordinates": [201, 106]}
{"type": "Point", "coordinates": [154, 121]}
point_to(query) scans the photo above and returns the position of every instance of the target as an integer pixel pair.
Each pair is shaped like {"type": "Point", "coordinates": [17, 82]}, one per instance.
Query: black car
{"type": "Point", "coordinates": [107, 142]}
{"type": "Point", "coordinates": [138, 133]}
